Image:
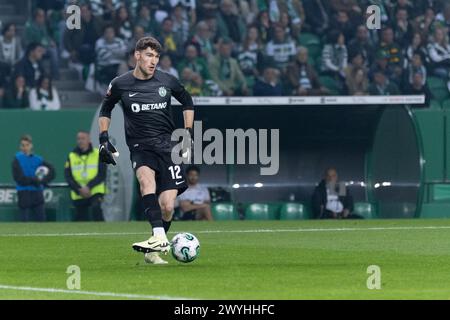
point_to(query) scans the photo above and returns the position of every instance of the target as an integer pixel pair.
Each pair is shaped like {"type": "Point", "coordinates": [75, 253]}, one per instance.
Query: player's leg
{"type": "Point", "coordinates": [158, 242]}
{"type": "Point", "coordinates": [167, 203]}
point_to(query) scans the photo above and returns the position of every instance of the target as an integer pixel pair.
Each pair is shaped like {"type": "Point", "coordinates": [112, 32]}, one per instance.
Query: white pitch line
{"type": "Point", "coordinates": [92, 293]}
{"type": "Point", "coordinates": [87, 234]}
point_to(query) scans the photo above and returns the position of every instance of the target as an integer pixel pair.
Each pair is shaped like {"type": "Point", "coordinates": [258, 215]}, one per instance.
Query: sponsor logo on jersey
{"type": "Point", "coordinates": [136, 107]}
{"type": "Point", "coordinates": [162, 91]}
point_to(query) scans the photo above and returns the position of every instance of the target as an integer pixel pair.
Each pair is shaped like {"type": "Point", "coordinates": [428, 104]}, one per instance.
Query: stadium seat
{"type": "Point", "coordinates": [261, 211]}
{"type": "Point", "coordinates": [330, 83]}
{"type": "Point", "coordinates": [365, 209]}
{"type": "Point", "coordinates": [438, 88]}
{"type": "Point", "coordinates": [293, 211]}
{"type": "Point", "coordinates": [224, 211]}
{"type": "Point", "coordinates": [312, 43]}
{"type": "Point", "coordinates": [446, 104]}
{"type": "Point", "coordinates": [440, 192]}
{"type": "Point", "coordinates": [435, 104]}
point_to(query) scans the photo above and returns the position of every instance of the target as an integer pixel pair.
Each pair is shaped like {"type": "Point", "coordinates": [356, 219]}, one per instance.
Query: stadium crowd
{"type": "Point", "coordinates": [234, 47]}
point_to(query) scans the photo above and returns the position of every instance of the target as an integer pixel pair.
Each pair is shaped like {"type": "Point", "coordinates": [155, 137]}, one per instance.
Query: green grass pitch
{"type": "Point", "coordinates": [238, 260]}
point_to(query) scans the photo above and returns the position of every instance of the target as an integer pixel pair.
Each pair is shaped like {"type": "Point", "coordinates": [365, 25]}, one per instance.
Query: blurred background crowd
{"type": "Point", "coordinates": [233, 47]}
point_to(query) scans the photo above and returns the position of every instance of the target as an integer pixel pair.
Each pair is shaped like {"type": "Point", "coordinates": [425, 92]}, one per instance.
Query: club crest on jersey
{"type": "Point", "coordinates": [162, 91]}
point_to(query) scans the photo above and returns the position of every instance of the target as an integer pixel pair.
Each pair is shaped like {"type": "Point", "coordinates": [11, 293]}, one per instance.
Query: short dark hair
{"type": "Point", "coordinates": [32, 46]}
{"type": "Point", "coordinates": [148, 42]}
{"type": "Point", "coordinates": [6, 27]}
{"type": "Point", "coordinates": [27, 138]}
{"type": "Point", "coordinates": [192, 168]}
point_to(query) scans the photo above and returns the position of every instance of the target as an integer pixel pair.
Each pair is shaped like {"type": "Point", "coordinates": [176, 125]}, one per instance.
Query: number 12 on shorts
{"type": "Point", "coordinates": [175, 172]}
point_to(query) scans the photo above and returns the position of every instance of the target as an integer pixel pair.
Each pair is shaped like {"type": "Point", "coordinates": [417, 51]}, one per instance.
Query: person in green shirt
{"type": "Point", "coordinates": [193, 61]}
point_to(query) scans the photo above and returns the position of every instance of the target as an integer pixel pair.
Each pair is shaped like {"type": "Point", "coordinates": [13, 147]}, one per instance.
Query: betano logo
{"type": "Point", "coordinates": [136, 107]}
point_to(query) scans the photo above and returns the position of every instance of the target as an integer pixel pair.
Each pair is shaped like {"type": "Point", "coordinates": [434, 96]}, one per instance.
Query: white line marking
{"type": "Point", "coordinates": [92, 293]}
{"type": "Point", "coordinates": [94, 234]}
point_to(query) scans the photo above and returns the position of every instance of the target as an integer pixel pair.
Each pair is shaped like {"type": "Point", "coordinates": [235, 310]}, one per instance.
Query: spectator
{"type": "Point", "coordinates": [36, 32]}
{"type": "Point", "coordinates": [381, 64]}
{"type": "Point", "coordinates": [269, 84]}
{"type": "Point", "coordinates": [2, 95]}
{"type": "Point", "coordinates": [127, 65]}
{"type": "Point", "coordinates": [280, 51]}
{"type": "Point", "coordinates": [292, 16]}
{"type": "Point", "coordinates": [147, 21]}
{"type": "Point", "coordinates": [357, 82]}
{"type": "Point", "coordinates": [230, 24]}
{"type": "Point", "coordinates": [138, 33]}
{"type": "Point", "coordinates": [361, 44]}
{"type": "Point", "coordinates": [165, 64]}
{"type": "Point", "coordinates": [181, 22]}
{"type": "Point", "coordinates": [193, 61]}
{"type": "Point", "coordinates": [416, 45]}
{"type": "Point", "coordinates": [195, 201]}
{"type": "Point", "coordinates": [17, 96]}
{"type": "Point", "coordinates": [10, 49]}
{"type": "Point", "coordinates": [122, 24]}
{"type": "Point", "coordinates": [44, 96]}
{"type": "Point", "coordinates": [30, 65]}
{"type": "Point", "coordinates": [443, 17]}
{"type": "Point", "coordinates": [30, 181]}
{"type": "Point", "coordinates": [381, 85]}
{"type": "Point", "coordinates": [416, 66]}
{"type": "Point", "coordinates": [393, 53]}
{"type": "Point", "coordinates": [111, 51]}
{"type": "Point", "coordinates": [249, 54]}
{"type": "Point", "coordinates": [264, 26]}
{"type": "Point", "coordinates": [402, 28]}
{"type": "Point", "coordinates": [105, 9]}
{"type": "Point", "coordinates": [341, 22]}
{"type": "Point", "coordinates": [439, 53]}
{"type": "Point", "coordinates": [225, 71]}
{"type": "Point", "coordinates": [171, 41]}
{"type": "Point", "coordinates": [86, 176]}
{"type": "Point", "coordinates": [194, 83]}
{"type": "Point", "coordinates": [418, 86]}
{"type": "Point", "coordinates": [335, 56]}
{"type": "Point", "coordinates": [203, 40]}
{"type": "Point", "coordinates": [80, 43]}
{"type": "Point", "coordinates": [302, 77]}
{"type": "Point", "coordinates": [207, 8]}
{"type": "Point", "coordinates": [316, 15]}
{"type": "Point", "coordinates": [331, 199]}
{"type": "Point", "coordinates": [423, 23]}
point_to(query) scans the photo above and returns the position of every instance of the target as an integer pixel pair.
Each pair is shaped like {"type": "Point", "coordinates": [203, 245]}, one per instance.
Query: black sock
{"type": "Point", "coordinates": [152, 210]}
{"type": "Point", "coordinates": [166, 225]}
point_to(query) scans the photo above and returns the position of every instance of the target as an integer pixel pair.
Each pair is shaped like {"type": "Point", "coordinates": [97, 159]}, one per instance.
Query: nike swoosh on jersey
{"type": "Point", "coordinates": [177, 183]}
{"type": "Point", "coordinates": [132, 94]}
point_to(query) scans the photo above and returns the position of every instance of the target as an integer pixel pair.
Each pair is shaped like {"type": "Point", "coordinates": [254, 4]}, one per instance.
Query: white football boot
{"type": "Point", "coordinates": [154, 244]}
{"type": "Point", "coordinates": [154, 258]}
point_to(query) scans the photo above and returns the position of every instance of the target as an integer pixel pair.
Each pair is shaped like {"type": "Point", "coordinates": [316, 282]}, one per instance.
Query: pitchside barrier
{"type": "Point", "coordinates": [392, 156]}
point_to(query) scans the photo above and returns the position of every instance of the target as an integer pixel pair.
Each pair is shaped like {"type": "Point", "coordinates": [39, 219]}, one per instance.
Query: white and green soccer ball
{"type": "Point", "coordinates": [185, 247]}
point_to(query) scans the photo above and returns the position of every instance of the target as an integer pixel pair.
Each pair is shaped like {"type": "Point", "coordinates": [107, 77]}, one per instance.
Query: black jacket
{"type": "Point", "coordinates": [319, 200]}
{"type": "Point", "coordinates": [99, 178]}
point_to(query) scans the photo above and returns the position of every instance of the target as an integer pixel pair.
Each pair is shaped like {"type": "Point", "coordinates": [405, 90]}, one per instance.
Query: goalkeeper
{"type": "Point", "coordinates": [145, 96]}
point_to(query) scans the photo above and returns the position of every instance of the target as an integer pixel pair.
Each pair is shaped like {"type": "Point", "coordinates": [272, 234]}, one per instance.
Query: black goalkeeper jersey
{"type": "Point", "coordinates": [146, 107]}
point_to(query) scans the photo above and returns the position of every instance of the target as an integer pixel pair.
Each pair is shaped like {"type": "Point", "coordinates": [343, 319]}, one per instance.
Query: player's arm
{"type": "Point", "coordinates": [107, 149]}
{"type": "Point", "coordinates": [184, 97]}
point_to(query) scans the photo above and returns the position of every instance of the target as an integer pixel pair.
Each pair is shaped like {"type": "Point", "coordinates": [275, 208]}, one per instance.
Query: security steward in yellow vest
{"type": "Point", "coordinates": [86, 176]}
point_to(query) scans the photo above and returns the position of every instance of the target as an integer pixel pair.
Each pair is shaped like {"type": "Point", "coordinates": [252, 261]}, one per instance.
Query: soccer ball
{"type": "Point", "coordinates": [185, 247]}
{"type": "Point", "coordinates": [41, 172]}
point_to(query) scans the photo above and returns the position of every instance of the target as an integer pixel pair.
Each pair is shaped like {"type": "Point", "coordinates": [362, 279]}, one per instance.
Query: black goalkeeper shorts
{"type": "Point", "coordinates": [169, 176]}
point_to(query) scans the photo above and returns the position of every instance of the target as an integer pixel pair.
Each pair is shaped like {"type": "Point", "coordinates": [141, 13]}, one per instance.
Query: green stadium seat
{"type": "Point", "coordinates": [312, 43]}
{"type": "Point", "coordinates": [440, 192]}
{"type": "Point", "coordinates": [330, 83]}
{"type": "Point", "coordinates": [293, 211]}
{"type": "Point", "coordinates": [435, 104]}
{"type": "Point", "coordinates": [365, 209]}
{"type": "Point", "coordinates": [438, 88]}
{"type": "Point", "coordinates": [224, 211]}
{"type": "Point", "coordinates": [261, 211]}
{"type": "Point", "coordinates": [446, 104]}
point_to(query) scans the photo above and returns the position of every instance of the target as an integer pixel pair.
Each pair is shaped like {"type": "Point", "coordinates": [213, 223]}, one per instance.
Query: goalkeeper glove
{"type": "Point", "coordinates": [107, 149]}
{"type": "Point", "coordinates": [187, 145]}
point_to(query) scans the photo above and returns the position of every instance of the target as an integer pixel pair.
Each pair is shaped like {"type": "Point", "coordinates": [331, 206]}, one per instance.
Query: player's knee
{"type": "Point", "coordinates": [167, 208]}
{"type": "Point", "coordinates": [147, 186]}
